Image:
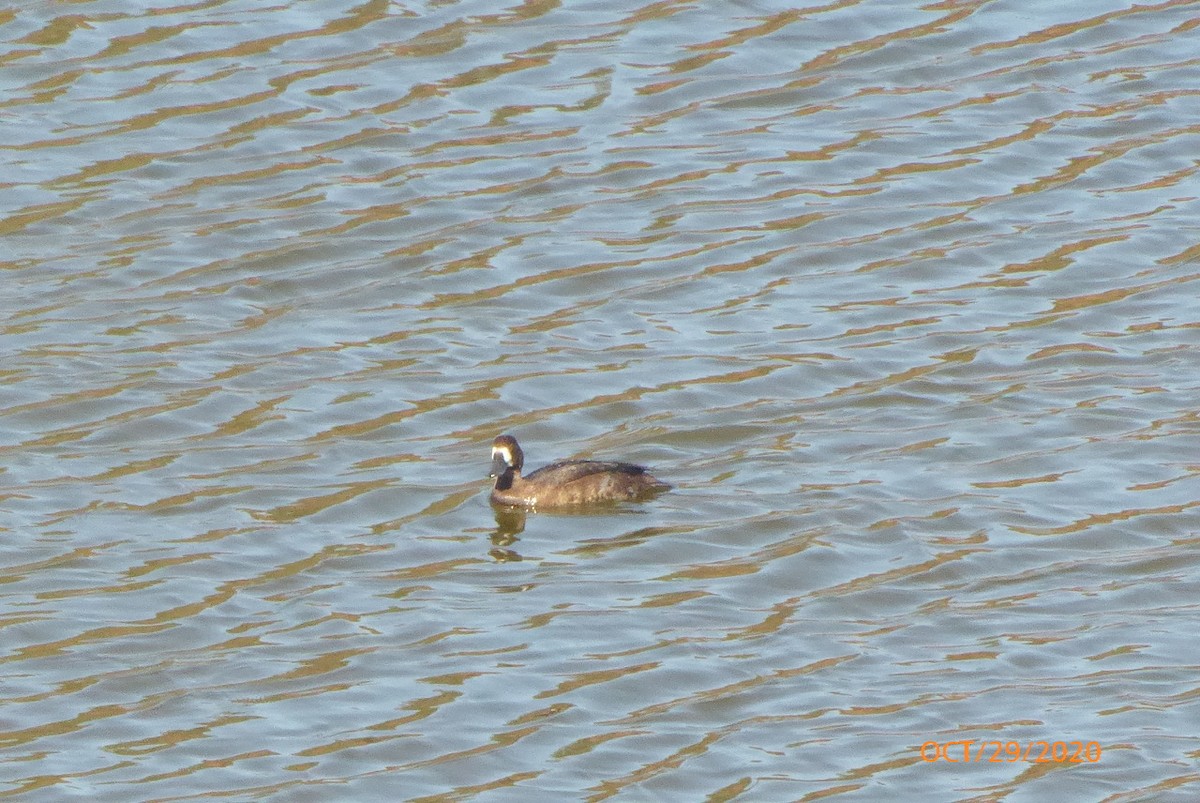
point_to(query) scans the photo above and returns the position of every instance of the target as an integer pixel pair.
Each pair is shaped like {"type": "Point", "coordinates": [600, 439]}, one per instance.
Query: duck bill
{"type": "Point", "coordinates": [499, 466]}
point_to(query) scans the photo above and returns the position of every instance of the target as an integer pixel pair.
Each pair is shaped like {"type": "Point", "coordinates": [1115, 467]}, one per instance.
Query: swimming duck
{"type": "Point", "coordinates": [567, 483]}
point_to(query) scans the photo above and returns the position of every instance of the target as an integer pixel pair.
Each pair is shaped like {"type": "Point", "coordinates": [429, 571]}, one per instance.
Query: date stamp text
{"type": "Point", "coordinates": [974, 750]}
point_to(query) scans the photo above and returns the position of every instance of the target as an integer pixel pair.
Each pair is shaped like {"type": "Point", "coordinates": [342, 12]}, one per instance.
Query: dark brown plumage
{"type": "Point", "coordinates": [568, 483]}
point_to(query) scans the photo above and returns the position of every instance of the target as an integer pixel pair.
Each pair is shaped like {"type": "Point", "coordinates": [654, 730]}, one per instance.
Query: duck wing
{"type": "Point", "coordinates": [571, 470]}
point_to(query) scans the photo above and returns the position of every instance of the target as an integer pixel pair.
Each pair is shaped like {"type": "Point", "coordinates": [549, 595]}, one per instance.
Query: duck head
{"type": "Point", "coordinates": [506, 456]}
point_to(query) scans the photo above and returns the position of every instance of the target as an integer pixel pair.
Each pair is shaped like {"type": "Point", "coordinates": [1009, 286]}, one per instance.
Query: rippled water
{"type": "Point", "coordinates": [899, 296]}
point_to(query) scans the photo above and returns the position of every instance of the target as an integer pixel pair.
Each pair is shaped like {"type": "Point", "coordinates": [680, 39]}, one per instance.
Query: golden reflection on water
{"type": "Point", "coordinates": [897, 298]}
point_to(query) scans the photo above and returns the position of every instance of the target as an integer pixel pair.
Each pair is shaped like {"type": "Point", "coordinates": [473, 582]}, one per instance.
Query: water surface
{"type": "Point", "coordinates": [900, 297]}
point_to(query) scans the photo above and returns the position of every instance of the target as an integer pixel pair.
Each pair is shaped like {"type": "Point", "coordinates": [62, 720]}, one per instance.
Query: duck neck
{"type": "Point", "coordinates": [504, 481]}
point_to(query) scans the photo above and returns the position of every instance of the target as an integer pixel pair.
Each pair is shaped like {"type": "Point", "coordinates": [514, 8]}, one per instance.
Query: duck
{"type": "Point", "coordinates": [568, 483]}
